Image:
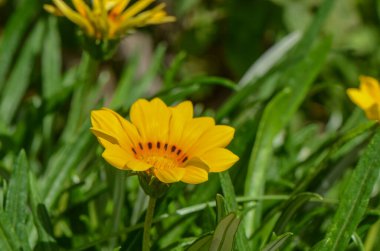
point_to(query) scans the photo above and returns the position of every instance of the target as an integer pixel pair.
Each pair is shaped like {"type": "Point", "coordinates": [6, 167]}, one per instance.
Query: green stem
{"type": "Point", "coordinates": [148, 223]}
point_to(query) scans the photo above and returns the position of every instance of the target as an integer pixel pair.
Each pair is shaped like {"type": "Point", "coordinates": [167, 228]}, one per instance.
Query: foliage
{"type": "Point", "coordinates": [277, 71]}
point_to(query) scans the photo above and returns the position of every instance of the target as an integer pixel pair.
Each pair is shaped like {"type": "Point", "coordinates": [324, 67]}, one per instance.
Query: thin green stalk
{"type": "Point", "coordinates": [148, 223]}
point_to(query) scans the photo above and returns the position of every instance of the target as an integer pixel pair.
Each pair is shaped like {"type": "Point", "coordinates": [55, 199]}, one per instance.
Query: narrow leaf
{"type": "Point", "coordinates": [12, 36]}
{"type": "Point", "coordinates": [276, 115]}
{"type": "Point", "coordinates": [225, 233]}
{"type": "Point", "coordinates": [354, 199]}
{"type": "Point", "coordinates": [17, 197]}
{"type": "Point", "coordinates": [20, 76]}
{"type": "Point", "coordinates": [201, 244]}
{"type": "Point", "coordinates": [279, 242]}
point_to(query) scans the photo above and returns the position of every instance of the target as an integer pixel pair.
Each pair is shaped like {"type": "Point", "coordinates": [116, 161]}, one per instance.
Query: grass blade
{"type": "Point", "coordinates": [17, 197]}
{"type": "Point", "coordinates": [12, 36]}
{"type": "Point", "coordinates": [278, 243]}
{"type": "Point", "coordinates": [20, 76]}
{"type": "Point", "coordinates": [355, 199]}
{"type": "Point", "coordinates": [276, 115]}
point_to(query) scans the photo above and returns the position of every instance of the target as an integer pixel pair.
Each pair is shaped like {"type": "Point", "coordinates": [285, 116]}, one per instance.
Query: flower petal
{"type": "Point", "coordinates": [169, 175]}
{"type": "Point", "coordinates": [373, 112]}
{"type": "Point", "coordinates": [193, 130]}
{"type": "Point", "coordinates": [219, 159]}
{"type": "Point", "coordinates": [360, 98]}
{"type": "Point", "coordinates": [104, 138]}
{"type": "Point", "coordinates": [194, 175]}
{"type": "Point", "coordinates": [112, 124]}
{"type": "Point", "coordinates": [119, 7]}
{"type": "Point", "coordinates": [181, 114]}
{"type": "Point", "coordinates": [117, 156]}
{"type": "Point", "coordinates": [150, 118]}
{"type": "Point", "coordinates": [74, 16]}
{"type": "Point", "coordinates": [134, 9]}
{"type": "Point", "coordinates": [371, 87]}
{"type": "Point", "coordinates": [80, 6]}
{"type": "Point", "coordinates": [217, 136]}
{"type": "Point", "coordinates": [137, 165]}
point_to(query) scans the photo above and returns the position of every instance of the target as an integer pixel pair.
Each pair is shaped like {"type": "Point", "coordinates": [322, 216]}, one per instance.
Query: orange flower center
{"type": "Point", "coordinates": [160, 155]}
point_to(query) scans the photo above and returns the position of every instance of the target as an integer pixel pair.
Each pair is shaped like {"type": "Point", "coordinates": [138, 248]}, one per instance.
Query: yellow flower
{"type": "Point", "coordinates": [110, 19]}
{"type": "Point", "coordinates": [163, 141]}
{"type": "Point", "coordinates": [367, 97]}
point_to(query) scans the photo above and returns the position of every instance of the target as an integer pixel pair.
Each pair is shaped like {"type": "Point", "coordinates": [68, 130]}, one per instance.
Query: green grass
{"type": "Point", "coordinates": [308, 176]}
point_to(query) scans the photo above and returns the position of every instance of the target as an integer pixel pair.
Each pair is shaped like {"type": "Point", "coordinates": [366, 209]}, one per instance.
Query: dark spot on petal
{"type": "Point", "coordinates": [133, 150]}
{"type": "Point", "coordinates": [184, 160]}
{"type": "Point", "coordinates": [158, 145]}
{"type": "Point", "coordinates": [141, 146]}
{"type": "Point", "coordinates": [166, 146]}
{"type": "Point", "coordinates": [179, 152]}
{"type": "Point", "coordinates": [173, 148]}
{"type": "Point", "coordinates": [150, 145]}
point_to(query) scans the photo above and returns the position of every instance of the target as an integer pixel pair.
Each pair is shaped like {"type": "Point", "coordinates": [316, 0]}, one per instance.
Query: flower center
{"type": "Point", "coordinates": [160, 155]}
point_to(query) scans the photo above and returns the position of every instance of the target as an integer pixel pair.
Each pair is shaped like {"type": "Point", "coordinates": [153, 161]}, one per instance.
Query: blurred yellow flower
{"type": "Point", "coordinates": [367, 97]}
{"type": "Point", "coordinates": [163, 141]}
{"type": "Point", "coordinates": [110, 19]}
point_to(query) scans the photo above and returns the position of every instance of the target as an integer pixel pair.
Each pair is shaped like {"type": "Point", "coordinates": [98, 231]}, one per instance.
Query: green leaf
{"type": "Point", "coordinates": [276, 116]}
{"type": "Point", "coordinates": [220, 208]}
{"type": "Point", "coordinates": [291, 207]}
{"type": "Point", "coordinates": [170, 74]}
{"type": "Point", "coordinates": [13, 34]}
{"type": "Point", "coordinates": [125, 84]}
{"type": "Point", "coordinates": [143, 85]}
{"type": "Point", "coordinates": [17, 198]}
{"type": "Point", "coordinates": [61, 165]}
{"type": "Point", "coordinates": [51, 59]}
{"type": "Point", "coordinates": [224, 233]}
{"type": "Point", "coordinates": [231, 205]}
{"type": "Point", "coordinates": [21, 75]}
{"type": "Point", "coordinates": [354, 199]}
{"type": "Point", "coordinates": [9, 240]}
{"type": "Point", "coordinates": [40, 217]}
{"type": "Point", "coordinates": [279, 242]}
{"type": "Point", "coordinates": [269, 59]}
{"type": "Point", "coordinates": [201, 244]}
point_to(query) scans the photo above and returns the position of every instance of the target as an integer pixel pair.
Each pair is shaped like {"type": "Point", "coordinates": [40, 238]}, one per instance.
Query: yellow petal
{"type": "Point", "coordinates": [52, 10]}
{"type": "Point", "coordinates": [119, 7]}
{"type": "Point", "coordinates": [80, 6]}
{"type": "Point", "coordinates": [373, 112]}
{"type": "Point", "coordinates": [361, 99]}
{"type": "Point", "coordinates": [151, 119]}
{"type": "Point", "coordinates": [219, 159]}
{"type": "Point", "coordinates": [169, 175]}
{"type": "Point", "coordinates": [128, 128]}
{"type": "Point", "coordinates": [371, 87]}
{"type": "Point", "coordinates": [194, 175]}
{"type": "Point", "coordinates": [217, 136]}
{"type": "Point", "coordinates": [117, 156]}
{"type": "Point", "coordinates": [160, 17]}
{"type": "Point", "coordinates": [181, 114]}
{"type": "Point", "coordinates": [193, 130]}
{"type": "Point", "coordinates": [74, 16]}
{"type": "Point", "coordinates": [112, 124]}
{"type": "Point", "coordinates": [137, 165]}
{"type": "Point", "coordinates": [102, 135]}
{"type": "Point", "coordinates": [135, 8]}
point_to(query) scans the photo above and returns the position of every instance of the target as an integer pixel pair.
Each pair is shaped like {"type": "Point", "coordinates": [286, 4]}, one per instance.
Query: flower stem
{"type": "Point", "coordinates": [148, 224]}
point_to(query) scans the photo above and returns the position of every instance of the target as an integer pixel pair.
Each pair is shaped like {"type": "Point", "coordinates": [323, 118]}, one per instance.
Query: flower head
{"type": "Point", "coordinates": [164, 142]}
{"type": "Point", "coordinates": [110, 19]}
{"type": "Point", "coordinates": [367, 97]}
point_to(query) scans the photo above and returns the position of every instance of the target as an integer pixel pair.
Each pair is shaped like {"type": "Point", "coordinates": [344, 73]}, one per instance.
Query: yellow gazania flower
{"type": "Point", "coordinates": [367, 97]}
{"type": "Point", "coordinates": [110, 19]}
{"type": "Point", "coordinates": [163, 141]}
